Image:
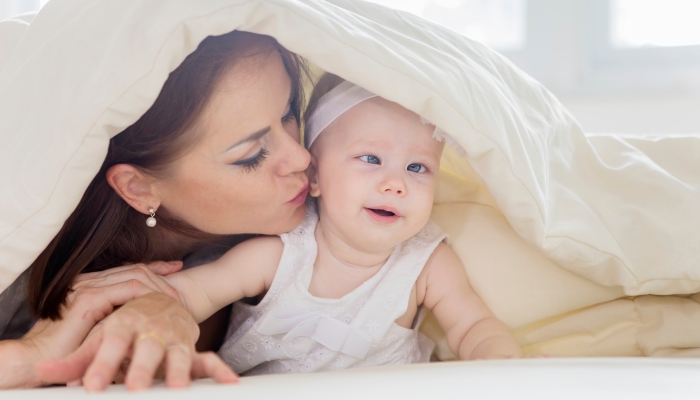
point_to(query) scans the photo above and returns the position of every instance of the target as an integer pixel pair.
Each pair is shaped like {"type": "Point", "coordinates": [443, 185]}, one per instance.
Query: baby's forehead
{"type": "Point", "coordinates": [380, 123]}
{"type": "Point", "coordinates": [378, 107]}
{"type": "Point", "coordinates": [378, 116]}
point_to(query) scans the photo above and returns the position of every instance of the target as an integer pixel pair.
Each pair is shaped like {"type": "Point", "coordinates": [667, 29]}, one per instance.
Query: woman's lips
{"type": "Point", "coordinates": [383, 215]}
{"type": "Point", "coordinates": [301, 197]}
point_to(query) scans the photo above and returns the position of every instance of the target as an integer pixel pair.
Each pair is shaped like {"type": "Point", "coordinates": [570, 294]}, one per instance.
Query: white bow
{"type": "Point", "coordinates": [334, 334]}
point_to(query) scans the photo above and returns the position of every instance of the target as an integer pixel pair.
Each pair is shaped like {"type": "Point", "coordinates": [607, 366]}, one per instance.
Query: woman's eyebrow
{"type": "Point", "coordinates": [253, 136]}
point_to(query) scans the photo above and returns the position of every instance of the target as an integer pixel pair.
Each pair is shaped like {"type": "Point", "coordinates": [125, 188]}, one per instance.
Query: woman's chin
{"type": "Point", "coordinates": [296, 218]}
{"type": "Point", "coordinates": [271, 224]}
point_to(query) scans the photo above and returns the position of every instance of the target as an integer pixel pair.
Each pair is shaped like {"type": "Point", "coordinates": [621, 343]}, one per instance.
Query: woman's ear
{"type": "Point", "coordinates": [133, 186]}
{"type": "Point", "coordinates": [312, 174]}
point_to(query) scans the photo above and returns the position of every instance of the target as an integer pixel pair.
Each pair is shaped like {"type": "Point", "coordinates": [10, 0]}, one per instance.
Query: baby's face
{"type": "Point", "coordinates": [375, 169]}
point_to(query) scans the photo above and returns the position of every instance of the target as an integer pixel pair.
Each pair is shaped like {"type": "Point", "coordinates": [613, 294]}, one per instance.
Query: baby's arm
{"type": "Point", "coordinates": [472, 331]}
{"type": "Point", "coordinates": [246, 270]}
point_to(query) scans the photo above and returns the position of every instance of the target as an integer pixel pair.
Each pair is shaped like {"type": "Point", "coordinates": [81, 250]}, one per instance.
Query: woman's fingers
{"type": "Point", "coordinates": [148, 354]}
{"type": "Point", "coordinates": [209, 365]}
{"type": "Point", "coordinates": [165, 268]}
{"type": "Point", "coordinates": [115, 346]}
{"type": "Point", "coordinates": [157, 267]}
{"type": "Point", "coordinates": [87, 306]}
{"type": "Point", "coordinates": [132, 276]}
{"type": "Point", "coordinates": [137, 274]}
{"type": "Point", "coordinates": [178, 366]}
{"type": "Point", "coordinates": [100, 274]}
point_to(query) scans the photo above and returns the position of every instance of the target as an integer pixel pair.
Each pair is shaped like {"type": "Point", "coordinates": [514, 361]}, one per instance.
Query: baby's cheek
{"type": "Point", "coordinates": [426, 203]}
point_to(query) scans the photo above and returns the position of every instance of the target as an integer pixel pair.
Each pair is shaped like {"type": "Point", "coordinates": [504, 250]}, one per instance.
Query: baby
{"type": "Point", "coordinates": [347, 287]}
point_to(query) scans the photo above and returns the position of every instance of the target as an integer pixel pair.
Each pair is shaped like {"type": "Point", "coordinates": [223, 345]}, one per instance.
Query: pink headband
{"type": "Point", "coordinates": [331, 106]}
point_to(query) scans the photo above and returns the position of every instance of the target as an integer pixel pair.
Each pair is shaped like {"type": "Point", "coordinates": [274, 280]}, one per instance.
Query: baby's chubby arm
{"type": "Point", "coordinates": [472, 331]}
{"type": "Point", "coordinates": [246, 270]}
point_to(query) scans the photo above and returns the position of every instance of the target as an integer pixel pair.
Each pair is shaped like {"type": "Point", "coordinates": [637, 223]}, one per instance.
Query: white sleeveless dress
{"type": "Point", "coordinates": [292, 331]}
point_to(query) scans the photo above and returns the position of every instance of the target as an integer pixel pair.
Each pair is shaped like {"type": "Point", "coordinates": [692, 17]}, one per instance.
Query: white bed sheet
{"type": "Point", "coordinates": [571, 379]}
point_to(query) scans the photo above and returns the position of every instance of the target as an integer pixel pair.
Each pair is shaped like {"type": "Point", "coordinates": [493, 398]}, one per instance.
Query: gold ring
{"type": "Point", "coordinates": [151, 335]}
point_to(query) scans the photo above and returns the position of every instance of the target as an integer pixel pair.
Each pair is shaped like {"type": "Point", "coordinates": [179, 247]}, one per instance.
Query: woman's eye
{"type": "Point", "coordinates": [416, 168]}
{"type": "Point", "coordinates": [251, 163]}
{"type": "Point", "coordinates": [370, 159]}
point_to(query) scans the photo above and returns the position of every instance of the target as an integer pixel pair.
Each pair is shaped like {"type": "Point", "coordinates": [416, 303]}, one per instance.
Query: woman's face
{"type": "Point", "coordinates": [245, 174]}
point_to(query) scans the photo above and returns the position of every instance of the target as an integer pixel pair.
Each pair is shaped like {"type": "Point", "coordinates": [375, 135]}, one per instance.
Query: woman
{"type": "Point", "coordinates": [217, 154]}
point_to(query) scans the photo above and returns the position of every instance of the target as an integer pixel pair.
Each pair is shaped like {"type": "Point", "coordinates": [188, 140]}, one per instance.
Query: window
{"type": "Point", "coordinates": [9, 8]}
{"type": "Point", "coordinates": [641, 45]}
{"type": "Point", "coordinates": [628, 66]}
{"type": "Point", "coordinates": [498, 23]}
{"type": "Point", "coordinates": [641, 23]}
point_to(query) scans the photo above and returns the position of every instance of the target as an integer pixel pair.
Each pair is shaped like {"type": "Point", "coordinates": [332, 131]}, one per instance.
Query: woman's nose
{"type": "Point", "coordinates": [294, 157]}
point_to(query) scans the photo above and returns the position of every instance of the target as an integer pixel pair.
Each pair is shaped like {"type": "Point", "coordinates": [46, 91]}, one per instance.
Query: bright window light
{"type": "Point", "coordinates": [637, 23]}
{"type": "Point", "coordinates": [497, 23]}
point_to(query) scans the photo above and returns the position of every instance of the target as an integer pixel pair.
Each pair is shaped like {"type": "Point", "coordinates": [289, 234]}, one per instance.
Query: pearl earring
{"type": "Point", "coordinates": [151, 221]}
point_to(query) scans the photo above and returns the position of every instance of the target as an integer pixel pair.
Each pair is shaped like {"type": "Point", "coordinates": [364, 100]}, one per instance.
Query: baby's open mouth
{"type": "Point", "coordinates": [383, 213]}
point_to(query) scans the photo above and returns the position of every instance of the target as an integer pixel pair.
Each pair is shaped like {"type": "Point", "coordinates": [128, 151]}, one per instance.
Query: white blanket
{"type": "Point", "coordinates": [600, 217]}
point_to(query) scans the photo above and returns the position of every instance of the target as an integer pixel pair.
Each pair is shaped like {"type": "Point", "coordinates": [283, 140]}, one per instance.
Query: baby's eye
{"type": "Point", "coordinates": [416, 168]}
{"type": "Point", "coordinates": [370, 159]}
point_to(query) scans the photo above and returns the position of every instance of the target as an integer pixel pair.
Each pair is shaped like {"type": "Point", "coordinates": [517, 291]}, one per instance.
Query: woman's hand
{"type": "Point", "coordinates": [85, 307]}
{"type": "Point", "coordinates": [149, 330]}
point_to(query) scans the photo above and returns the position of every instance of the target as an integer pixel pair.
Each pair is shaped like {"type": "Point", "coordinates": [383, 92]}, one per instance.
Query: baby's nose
{"type": "Point", "coordinates": [393, 184]}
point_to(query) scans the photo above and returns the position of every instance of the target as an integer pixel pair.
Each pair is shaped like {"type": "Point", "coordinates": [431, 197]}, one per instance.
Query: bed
{"type": "Point", "coordinates": [600, 378]}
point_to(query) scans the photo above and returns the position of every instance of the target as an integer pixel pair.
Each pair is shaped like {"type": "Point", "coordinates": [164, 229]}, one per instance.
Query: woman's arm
{"type": "Point", "coordinates": [17, 367]}
{"type": "Point", "coordinates": [471, 329]}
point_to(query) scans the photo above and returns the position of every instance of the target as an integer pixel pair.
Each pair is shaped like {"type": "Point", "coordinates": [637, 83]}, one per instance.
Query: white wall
{"type": "Point", "coordinates": [645, 90]}
{"type": "Point", "coordinates": [636, 114]}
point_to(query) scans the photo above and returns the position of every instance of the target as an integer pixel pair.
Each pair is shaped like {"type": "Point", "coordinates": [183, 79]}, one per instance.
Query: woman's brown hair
{"type": "Point", "coordinates": [104, 231]}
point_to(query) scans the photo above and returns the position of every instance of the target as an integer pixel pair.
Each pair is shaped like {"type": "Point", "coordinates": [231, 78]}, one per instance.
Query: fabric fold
{"type": "Point", "coordinates": [335, 335]}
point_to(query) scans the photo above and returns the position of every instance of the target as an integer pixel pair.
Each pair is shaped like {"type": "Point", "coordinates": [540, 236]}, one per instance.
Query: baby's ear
{"type": "Point", "coordinates": [312, 174]}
